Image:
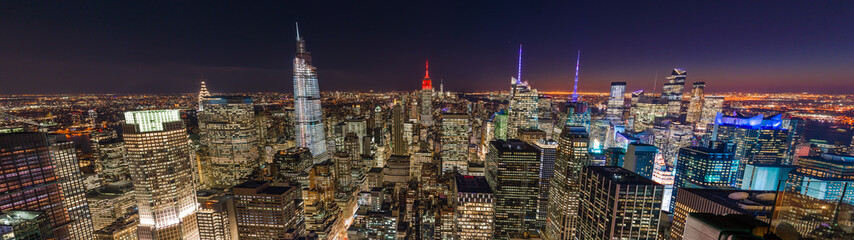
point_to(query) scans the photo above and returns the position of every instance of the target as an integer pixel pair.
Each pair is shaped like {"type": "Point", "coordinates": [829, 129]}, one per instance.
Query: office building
{"type": "Point", "coordinates": [640, 159]}
{"type": "Point", "coordinates": [758, 204]}
{"type": "Point", "coordinates": [765, 177]}
{"type": "Point", "coordinates": [454, 139]}
{"type": "Point", "coordinates": [64, 158]}
{"type": "Point", "coordinates": [308, 117]}
{"type": "Point", "coordinates": [474, 201]}
{"type": "Point", "coordinates": [695, 105]}
{"type": "Point", "coordinates": [548, 154]}
{"type": "Point", "coordinates": [159, 159]}
{"type": "Point", "coordinates": [398, 143]}
{"type": "Point", "coordinates": [758, 140]}
{"type": "Point", "coordinates": [616, 203]}
{"type": "Point", "coordinates": [268, 210]}
{"type": "Point", "coordinates": [700, 167]}
{"type": "Point", "coordinates": [673, 90]}
{"type": "Point", "coordinates": [565, 188]}
{"type": "Point", "coordinates": [499, 122]}
{"type": "Point", "coordinates": [291, 163]}
{"type": "Point", "coordinates": [110, 202]}
{"type": "Point", "coordinates": [712, 105]}
{"type": "Point", "coordinates": [229, 136]}
{"type": "Point", "coordinates": [616, 101]}
{"type": "Point", "coordinates": [512, 171]}
{"type": "Point", "coordinates": [213, 215]}
{"type": "Point", "coordinates": [111, 158]}
{"type": "Point", "coordinates": [523, 104]}
{"type": "Point", "coordinates": [203, 93]}
{"type": "Point", "coordinates": [27, 159]}
{"type": "Point", "coordinates": [825, 177]}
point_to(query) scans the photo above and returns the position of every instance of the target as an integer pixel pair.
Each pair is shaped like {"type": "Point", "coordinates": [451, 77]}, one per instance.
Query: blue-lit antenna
{"type": "Point", "coordinates": [575, 87]}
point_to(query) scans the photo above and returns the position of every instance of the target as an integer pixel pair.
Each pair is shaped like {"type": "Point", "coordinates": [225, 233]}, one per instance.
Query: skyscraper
{"type": "Point", "coordinates": [719, 201]}
{"type": "Point", "coordinates": [700, 167]}
{"type": "Point", "coordinates": [673, 90]}
{"type": "Point", "coordinates": [64, 158]}
{"type": "Point", "coordinates": [826, 177]}
{"type": "Point", "coordinates": [523, 104]}
{"type": "Point", "coordinates": [454, 140]}
{"type": "Point", "coordinates": [229, 135]}
{"type": "Point", "coordinates": [512, 171]}
{"type": "Point", "coordinates": [203, 93]}
{"type": "Point", "coordinates": [757, 140]}
{"type": "Point", "coordinates": [426, 97]}
{"type": "Point", "coordinates": [399, 145]}
{"type": "Point", "coordinates": [617, 100]}
{"type": "Point", "coordinates": [640, 159]}
{"type": "Point", "coordinates": [712, 105]}
{"type": "Point", "coordinates": [565, 188]}
{"type": "Point", "coordinates": [695, 106]}
{"type": "Point", "coordinates": [548, 153]}
{"type": "Point", "coordinates": [616, 203]}
{"type": "Point", "coordinates": [27, 159]}
{"type": "Point", "coordinates": [310, 131]}
{"type": "Point", "coordinates": [159, 156]}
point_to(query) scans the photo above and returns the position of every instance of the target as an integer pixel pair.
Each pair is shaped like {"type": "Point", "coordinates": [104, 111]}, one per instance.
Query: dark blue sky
{"type": "Point", "coordinates": [164, 47]}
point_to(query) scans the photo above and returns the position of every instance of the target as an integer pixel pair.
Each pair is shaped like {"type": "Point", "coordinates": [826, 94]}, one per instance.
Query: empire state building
{"type": "Point", "coordinates": [308, 114]}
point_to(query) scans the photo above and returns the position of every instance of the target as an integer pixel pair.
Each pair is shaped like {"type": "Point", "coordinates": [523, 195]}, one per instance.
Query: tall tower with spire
{"type": "Point", "coordinates": [426, 97]}
{"type": "Point", "coordinates": [308, 114]}
{"type": "Point", "coordinates": [203, 93]}
{"type": "Point", "coordinates": [523, 104]}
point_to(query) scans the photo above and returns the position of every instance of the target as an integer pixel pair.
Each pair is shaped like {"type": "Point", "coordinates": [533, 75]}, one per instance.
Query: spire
{"type": "Point", "coordinates": [300, 41]}
{"type": "Point", "coordinates": [575, 86]}
{"type": "Point", "coordinates": [426, 83]}
{"type": "Point", "coordinates": [519, 70]}
{"type": "Point", "coordinates": [426, 69]}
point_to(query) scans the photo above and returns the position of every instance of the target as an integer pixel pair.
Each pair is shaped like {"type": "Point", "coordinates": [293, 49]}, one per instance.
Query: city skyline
{"type": "Point", "coordinates": [118, 48]}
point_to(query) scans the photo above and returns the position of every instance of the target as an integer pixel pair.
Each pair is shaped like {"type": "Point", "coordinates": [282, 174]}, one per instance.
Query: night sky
{"type": "Point", "coordinates": [165, 47]}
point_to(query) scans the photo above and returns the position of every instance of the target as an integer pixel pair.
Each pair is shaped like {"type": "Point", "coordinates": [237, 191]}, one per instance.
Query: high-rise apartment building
{"type": "Point", "coordinates": [64, 158]}
{"type": "Point", "coordinates": [308, 117]}
{"type": "Point", "coordinates": [454, 141]}
{"type": "Point", "coordinates": [565, 188]}
{"type": "Point", "coordinates": [616, 203]}
{"type": "Point", "coordinates": [230, 138]}
{"type": "Point", "coordinates": [616, 100]}
{"type": "Point", "coordinates": [159, 159]}
{"type": "Point", "coordinates": [268, 210]}
{"type": "Point", "coordinates": [512, 171]}
{"type": "Point", "coordinates": [695, 105]}
{"type": "Point", "coordinates": [673, 90]}
{"type": "Point", "coordinates": [474, 201]}
{"type": "Point", "coordinates": [26, 157]}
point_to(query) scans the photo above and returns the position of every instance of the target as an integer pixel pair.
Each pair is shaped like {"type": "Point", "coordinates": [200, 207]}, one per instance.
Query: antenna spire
{"type": "Point", "coordinates": [519, 71]}
{"type": "Point", "coordinates": [575, 86]}
{"type": "Point", "coordinates": [426, 68]}
{"type": "Point", "coordinates": [297, 24]}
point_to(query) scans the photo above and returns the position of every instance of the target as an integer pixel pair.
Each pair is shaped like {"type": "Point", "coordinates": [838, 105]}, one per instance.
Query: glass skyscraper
{"type": "Point", "coordinates": [310, 131]}
{"type": "Point", "coordinates": [564, 189]}
{"type": "Point", "coordinates": [159, 157]}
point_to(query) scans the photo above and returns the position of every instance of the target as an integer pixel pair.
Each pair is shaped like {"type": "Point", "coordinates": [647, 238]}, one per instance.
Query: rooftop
{"type": "Point", "coordinates": [472, 184]}
{"type": "Point", "coordinates": [737, 199]}
{"type": "Point", "coordinates": [621, 175]}
{"type": "Point", "coordinates": [15, 217]}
